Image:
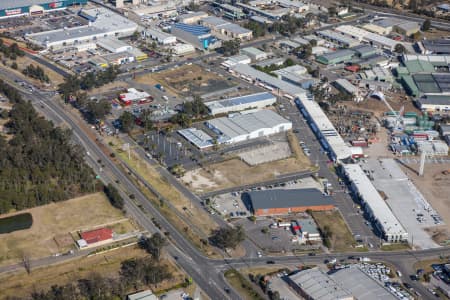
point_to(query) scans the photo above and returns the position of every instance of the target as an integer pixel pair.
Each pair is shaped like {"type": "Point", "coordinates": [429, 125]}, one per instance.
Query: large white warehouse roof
{"type": "Point", "coordinates": [245, 126]}
{"type": "Point", "coordinates": [241, 102]}
{"type": "Point", "coordinates": [378, 207]}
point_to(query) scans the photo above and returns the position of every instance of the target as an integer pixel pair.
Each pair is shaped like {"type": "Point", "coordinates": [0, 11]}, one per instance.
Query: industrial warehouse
{"type": "Point", "coordinates": [283, 202]}
{"type": "Point", "coordinates": [242, 127]}
{"type": "Point", "coordinates": [259, 100]}
{"type": "Point", "coordinates": [15, 8]}
{"type": "Point", "coordinates": [104, 23]}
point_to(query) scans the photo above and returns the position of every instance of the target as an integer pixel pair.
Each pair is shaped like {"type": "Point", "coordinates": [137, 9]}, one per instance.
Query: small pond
{"type": "Point", "coordinates": [16, 222]}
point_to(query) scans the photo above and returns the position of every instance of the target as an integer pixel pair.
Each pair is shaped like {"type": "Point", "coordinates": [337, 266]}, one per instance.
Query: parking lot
{"type": "Point", "coordinates": [236, 202]}
{"type": "Point", "coordinates": [274, 240]}
{"type": "Point", "coordinates": [406, 202]}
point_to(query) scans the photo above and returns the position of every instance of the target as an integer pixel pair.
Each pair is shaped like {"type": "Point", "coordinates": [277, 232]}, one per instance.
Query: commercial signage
{"type": "Point", "coordinates": [56, 4]}
{"type": "Point", "coordinates": [12, 12]}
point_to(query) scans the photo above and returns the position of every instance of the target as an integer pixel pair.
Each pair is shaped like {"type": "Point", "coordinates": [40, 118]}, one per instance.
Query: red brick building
{"type": "Point", "coordinates": [283, 202]}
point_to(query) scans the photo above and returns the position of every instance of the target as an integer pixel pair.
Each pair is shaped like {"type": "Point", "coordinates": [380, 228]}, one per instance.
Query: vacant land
{"type": "Point", "coordinates": [242, 285]}
{"type": "Point", "coordinates": [188, 80]}
{"type": "Point", "coordinates": [434, 185]}
{"type": "Point", "coordinates": [106, 264]}
{"type": "Point", "coordinates": [179, 201]}
{"type": "Point", "coordinates": [341, 238]}
{"type": "Point", "coordinates": [235, 172]}
{"type": "Point", "coordinates": [52, 224]}
{"type": "Point", "coordinates": [194, 222]}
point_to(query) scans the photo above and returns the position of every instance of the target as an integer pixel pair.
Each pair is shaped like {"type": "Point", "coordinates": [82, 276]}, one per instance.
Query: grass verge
{"type": "Point", "coordinates": [395, 247]}
{"type": "Point", "coordinates": [341, 238]}
{"type": "Point", "coordinates": [107, 264]}
{"type": "Point", "coordinates": [242, 285]}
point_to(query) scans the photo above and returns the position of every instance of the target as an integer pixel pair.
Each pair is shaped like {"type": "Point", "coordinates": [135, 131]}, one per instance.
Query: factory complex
{"type": "Point", "coordinates": [241, 127]}
{"type": "Point", "coordinates": [103, 23]}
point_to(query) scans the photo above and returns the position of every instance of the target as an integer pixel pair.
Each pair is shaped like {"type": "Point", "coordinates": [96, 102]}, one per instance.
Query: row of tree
{"type": "Point", "coordinates": [36, 73]}
{"type": "Point", "coordinates": [114, 197]}
{"type": "Point", "coordinates": [12, 51]}
{"type": "Point", "coordinates": [134, 274]}
{"type": "Point", "coordinates": [38, 163]}
{"type": "Point", "coordinates": [73, 84]}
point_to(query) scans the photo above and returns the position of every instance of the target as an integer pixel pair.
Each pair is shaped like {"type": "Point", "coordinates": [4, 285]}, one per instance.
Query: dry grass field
{"type": "Point", "coordinates": [52, 225]}
{"type": "Point", "coordinates": [187, 80]}
{"type": "Point", "coordinates": [106, 264]}
{"type": "Point", "coordinates": [341, 239]}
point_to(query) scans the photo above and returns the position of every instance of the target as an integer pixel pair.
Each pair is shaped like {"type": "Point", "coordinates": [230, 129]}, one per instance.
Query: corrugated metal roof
{"type": "Point", "coordinates": [288, 198]}
{"type": "Point", "coordinates": [243, 124]}
{"type": "Point", "coordinates": [319, 286]}
{"type": "Point", "coordinates": [197, 137]}
{"type": "Point", "coordinates": [230, 102]}
{"type": "Point", "coordinates": [197, 30]}
{"type": "Point", "coordinates": [371, 197]}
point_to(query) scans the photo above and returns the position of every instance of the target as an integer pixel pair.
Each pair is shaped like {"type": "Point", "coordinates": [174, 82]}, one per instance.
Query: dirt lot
{"type": "Point", "coordinates": [379, 108]}
{"type": "Point", "coordinates": [235, 172]}
{"type": "Point", "coordinates": [107, 264]}
{"type": "Point", "coordinates": [341, 239]}
{"type": "Point", "coordinates": [188, 80]}
{"type": "Point", "coordinates": [435, 186]}
{"type": "Point", "coordinates": [52, 223]}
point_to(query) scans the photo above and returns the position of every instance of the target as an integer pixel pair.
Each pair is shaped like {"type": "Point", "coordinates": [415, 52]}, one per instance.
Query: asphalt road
{"type": "Point", "coordinates": [189, 258]}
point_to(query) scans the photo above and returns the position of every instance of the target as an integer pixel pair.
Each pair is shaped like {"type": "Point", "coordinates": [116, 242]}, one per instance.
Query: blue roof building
{"type": "Point", "coordinates": [197, 35]}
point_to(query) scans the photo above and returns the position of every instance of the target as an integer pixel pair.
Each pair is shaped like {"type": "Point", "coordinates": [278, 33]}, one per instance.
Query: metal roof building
{"type": "Point", "coordinates": [369, 37]}
{"type": "Point", "coordinates": [144, 295]}
{"type": "Point", "coordinates": [197, 137]}
{"type": "Point", "coordinates": [259, 100]}
{"type": "Point", "coordinates": [336, 57]}
{"type": "Point", "coordinates": [321, 125]}
{"type": "Point", "coordinates": [105, 23]}
{"type": "Point", "coordinates": [113, 45]}
{"type": "Point", "coordinates": [375, 206]}
{"type": "Point", "coordinates": [345, 85]}
{"type": "Point", "coordinates": [267, 81]}
{"type": "Point", "coordinates": [242, 127]}
{"type": "Point", "coordinates": [196, 35]}
{"type": "Point", "coordinates": [338, 38]}
{"type": "Point", "coordinates": [360, 284]}
{"type": "Point", "coordinates": [316, 284]}
{"type": "Point", "coordinates": [280, 202]}
{"type": "Point", "coordinates": [254, 53]}
{"type": "Point", "coordinates": [439, 46]}
{"type": "Point", "coordinates": [160, 36]}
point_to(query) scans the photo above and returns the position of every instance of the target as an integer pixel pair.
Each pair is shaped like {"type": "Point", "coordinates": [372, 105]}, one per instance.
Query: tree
{"type": "Point", "coordinates": [177, 170]}
{"type": "Point", "coordinates": [114, 197]}
{"type": "Point", "coordinates": [417, 36]}
{"type": "Point", "coordinates": [426, 25]}
{"type": "Point", "coordinates": [231, 47]}
{"type": "Point", "coordinates": [154, 244]}
{"type": "Point", "coordinates": [332, 11]}
{"type": "Point", "coordinates": [399, 48]}
{"type": "Point", "coordinates": [14, 65]}
{"type": "Point", "coordinates": [98, 109]}
{"type": "Point", "coordinates": [257, 29]}
{"type": "Point", "coordinates": [127, 120]}
{"type": "Point", "coordinates": [227, 237]}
